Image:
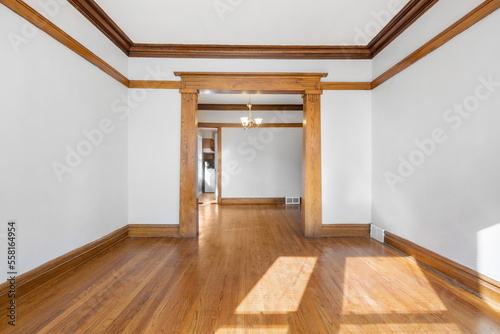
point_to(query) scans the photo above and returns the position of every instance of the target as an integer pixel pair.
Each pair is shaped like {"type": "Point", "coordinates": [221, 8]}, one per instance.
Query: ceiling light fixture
{"type": "Point", "coordinates": [248, 122]}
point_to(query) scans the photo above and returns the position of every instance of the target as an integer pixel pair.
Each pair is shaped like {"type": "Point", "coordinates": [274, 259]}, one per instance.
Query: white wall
{"type": "Point", "coordinates": [339, 70]}
{"type": "Point", "coordinates": [154, 157]}
{"type": "Point", "coordinates": [49, 97]}
{"type": "Point", "coordinates": [354, 141]}
{"type": "Point", "coordinates": [449, 201]}
{"type": "Point", "coordinates": [442, 15]}
{"type": "Point", "coordinates": [263, 162]}
{"type": "Point", "coordinates": [72, 22]}
{"type": "Point", "coordinates": [346, 156]}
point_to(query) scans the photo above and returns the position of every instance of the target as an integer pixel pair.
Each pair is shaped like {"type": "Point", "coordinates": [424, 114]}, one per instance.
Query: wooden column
{"type": "Point", "coordinates": [188, 206]}
{"type": "Point", "coordinates": [311, 165]}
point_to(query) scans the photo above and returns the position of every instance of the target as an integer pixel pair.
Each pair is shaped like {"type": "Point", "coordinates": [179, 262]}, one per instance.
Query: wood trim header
{"type": "Point", "coordinates": [251, 83]}
{"type": "Point", "coordinates": [255, 107]}
{"type": "Point", "coordinates": [96, 15]}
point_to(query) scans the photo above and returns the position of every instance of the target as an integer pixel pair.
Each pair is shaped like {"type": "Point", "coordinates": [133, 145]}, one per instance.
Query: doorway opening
{"type": "Point", "coordinates": [207, 166]}
{"type": "Point", "coordinates": [307, 85]}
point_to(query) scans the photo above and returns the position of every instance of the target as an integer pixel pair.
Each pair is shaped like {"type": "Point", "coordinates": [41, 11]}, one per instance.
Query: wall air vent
{"type": "Point", "coordinates": [377, 233]}
{"type": "Point", "coordinates": [292, 200]}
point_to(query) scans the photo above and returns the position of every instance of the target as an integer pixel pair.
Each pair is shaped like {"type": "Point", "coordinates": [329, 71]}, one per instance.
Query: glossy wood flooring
{"type": "Point", "coordinates": [251, 271]}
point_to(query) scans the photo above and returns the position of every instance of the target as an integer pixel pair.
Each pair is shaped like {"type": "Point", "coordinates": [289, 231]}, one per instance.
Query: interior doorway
{"type": "Point", "coordinates": [208, 167]}
{"type": "Point", "coordinates": [308, 85]}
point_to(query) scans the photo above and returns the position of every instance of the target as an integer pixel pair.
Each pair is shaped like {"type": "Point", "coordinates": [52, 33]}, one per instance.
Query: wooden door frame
{"type": "Point", "coordinates": [306, 84]}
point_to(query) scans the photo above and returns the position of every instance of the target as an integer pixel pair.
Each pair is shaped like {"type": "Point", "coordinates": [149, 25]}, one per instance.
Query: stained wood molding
{"type": "Point", "coordinates": [346, 230]}
{"type": "Point", "coordinates": [346, 85]}
{"type": "Point", "coordinates": [31, 15]}
{"type": "Point", "coordinates": [188, 198]}
{"type": "Point", "coordinates": [265, 83]}
{"type": "Point", "coordinates": [158, 84]}
{"type": "Point", "coordinates": [255, 107]}
{"type": "Point", "coordinates": [96, 15]}
{"type": "Point", "coordinates": [153, 230]}
{"type": "Point", "coordinates": [473, 17]}
{"type": "Point", "coordinates": [52, 270]}
{"type": "Point", "coordinates": [311, 204]}
{"type": "Point", "coordinates": [249, 51]}
{"type": "Point", "coordinates": [481, 284]}
{"type": "Point", "coordinates": [253, 201]}
{"type": "Point", "coordinates": [410, 13]}
{"type": "Point", "coordinates": [238, 125]}
{"type": "Point", "coordinates": [154, 84]}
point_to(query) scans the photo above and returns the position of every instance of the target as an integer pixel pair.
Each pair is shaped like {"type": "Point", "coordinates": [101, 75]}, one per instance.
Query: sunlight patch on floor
{"type": "Point", "coordinates": [400, 328]}
{"type": "Point", "coordinates": [281, 288]}
{"type": "Point", "coordinates": [417, 294]}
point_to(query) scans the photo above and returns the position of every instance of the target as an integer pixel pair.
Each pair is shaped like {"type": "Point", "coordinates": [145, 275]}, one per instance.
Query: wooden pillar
{"type": "Point", "coordinates": [188, 205]}
{"type": "Point", "coordinates": [311, 165]}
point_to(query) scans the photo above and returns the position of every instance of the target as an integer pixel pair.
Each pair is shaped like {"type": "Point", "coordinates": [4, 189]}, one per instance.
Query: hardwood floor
{"type": "Point", "coordinates": [207, 198]}
{"type": "Point", "coordinates": [250, 271]}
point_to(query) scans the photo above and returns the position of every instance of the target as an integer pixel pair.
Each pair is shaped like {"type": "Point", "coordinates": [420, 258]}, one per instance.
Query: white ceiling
{"type": "Point", "coordinates": [251, 22]}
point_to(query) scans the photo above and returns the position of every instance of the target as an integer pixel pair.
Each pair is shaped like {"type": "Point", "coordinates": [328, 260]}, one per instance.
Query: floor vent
{"type": "Point", "coordinates": [377, 233]}
{"type": "Point", "coordinates": [292, 200]}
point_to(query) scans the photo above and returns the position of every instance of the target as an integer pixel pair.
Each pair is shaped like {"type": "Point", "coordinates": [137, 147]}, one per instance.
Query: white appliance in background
{"type": "Point", "coordinates": [199, 169]}
{"type": "Point", "coordinates": [209, 180]}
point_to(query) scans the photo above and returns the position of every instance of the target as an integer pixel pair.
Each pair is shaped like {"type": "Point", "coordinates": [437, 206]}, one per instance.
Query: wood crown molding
{"type": "Point", "coordinates": [346, 230]}
{"type": "Point", "coordinates": [152, 230]}
{"type": "Point", "coordinates": [255, 107]}
{"type": "Point", "coordinates": [41, 276]}
{"type": "Point", "coordinates": [253, 201]}
{"type": "Point", "coordinates": [473, 17]}
{"type": "Point", "coordinates": [96, 15]}
{"type": "Point", "coordinates": [473, 280]}
{"type": "Point", "coordinates": [400, 22]}
{"type": "Point", "coordinates": [249, 51]}
{"type": "Point", "coordinates": [410, 13]}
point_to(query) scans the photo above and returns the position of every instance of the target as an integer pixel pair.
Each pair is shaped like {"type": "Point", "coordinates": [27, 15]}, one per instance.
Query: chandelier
{"type": "Point", "coordinates": [248, 122]}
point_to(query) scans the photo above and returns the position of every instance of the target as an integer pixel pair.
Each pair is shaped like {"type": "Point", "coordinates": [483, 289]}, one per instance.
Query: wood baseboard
{"type": "Point", "coordinates": [50, 271]}
{"type": "Point", "coordinates": [345, 230]}
{"type": "Point", "coordinates": [252, 201]}
{"type": "Point", "coordinates": [483, 285]}
{"type": "Point", "coordinates": [152, 230]}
